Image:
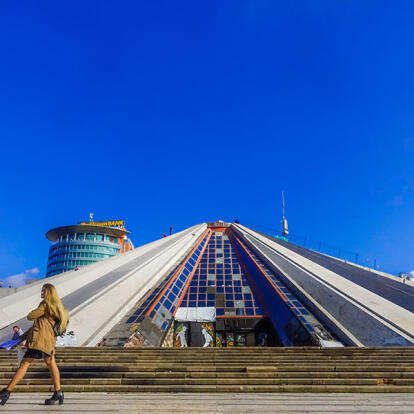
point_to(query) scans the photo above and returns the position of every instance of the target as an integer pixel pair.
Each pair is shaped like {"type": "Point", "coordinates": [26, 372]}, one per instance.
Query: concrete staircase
{"type": "Point", "coordinates": [299, 369]}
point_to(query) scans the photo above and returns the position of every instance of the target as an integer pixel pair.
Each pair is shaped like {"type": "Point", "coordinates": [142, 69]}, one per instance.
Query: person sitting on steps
{"type": "Point", "coordinates": [40, 342]}
{"type": "Point", "coordinates": [17, 333]}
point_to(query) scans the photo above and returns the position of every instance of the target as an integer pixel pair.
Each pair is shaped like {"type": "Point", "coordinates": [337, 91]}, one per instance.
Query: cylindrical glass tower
{"type": "Point", "coordinates": [82, 244]}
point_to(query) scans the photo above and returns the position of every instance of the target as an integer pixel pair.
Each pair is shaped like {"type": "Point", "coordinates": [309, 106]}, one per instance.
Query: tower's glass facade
{"type": "Point", "coordinates": [80, 245]}
{"type": "Point", "coordinates": [79, 249]}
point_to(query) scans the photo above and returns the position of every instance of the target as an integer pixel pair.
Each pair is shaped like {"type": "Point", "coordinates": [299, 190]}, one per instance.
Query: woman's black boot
{"type": "Point", "coordinates": [57, 396]}
{"type": "Point", "coordinates": [4, 396]}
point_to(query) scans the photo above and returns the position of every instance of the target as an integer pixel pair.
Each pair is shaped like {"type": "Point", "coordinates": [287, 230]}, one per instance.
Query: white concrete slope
{"type": "Point", "coordinates": [389, 314]}
{"type": "Point", "coordinates": [98, 295]}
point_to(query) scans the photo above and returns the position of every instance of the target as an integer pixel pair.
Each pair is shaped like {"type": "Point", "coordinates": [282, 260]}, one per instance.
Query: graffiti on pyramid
{"type": "Point", "coordinates": [223, 285]}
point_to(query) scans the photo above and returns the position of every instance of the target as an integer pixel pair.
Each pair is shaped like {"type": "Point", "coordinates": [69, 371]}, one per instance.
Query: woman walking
{"type": "Point", "coordinates": [40, 341]}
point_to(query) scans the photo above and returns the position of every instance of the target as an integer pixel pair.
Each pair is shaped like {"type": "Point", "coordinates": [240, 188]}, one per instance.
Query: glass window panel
{"type": "Point", "coordinates": [159, 320]}
{"type": "Point", "coordinates": [164, 312]}
{"type": "Point", "coordinates": [175, 290]}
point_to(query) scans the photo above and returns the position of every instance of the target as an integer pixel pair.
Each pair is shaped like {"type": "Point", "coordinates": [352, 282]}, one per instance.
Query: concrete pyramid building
{"type": "Point", "coordinates": [223, 285]}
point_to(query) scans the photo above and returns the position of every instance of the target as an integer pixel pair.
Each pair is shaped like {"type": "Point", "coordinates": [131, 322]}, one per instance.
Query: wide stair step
{"type": "Point", "coordinates": [299, 369]}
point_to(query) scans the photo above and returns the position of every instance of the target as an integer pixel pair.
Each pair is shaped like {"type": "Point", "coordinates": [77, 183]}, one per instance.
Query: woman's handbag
{"type": "Point", "coordinates": [56, 328]}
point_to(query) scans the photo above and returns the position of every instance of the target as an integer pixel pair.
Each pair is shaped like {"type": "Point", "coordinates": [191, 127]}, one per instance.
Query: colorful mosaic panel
{"type": "Point", "coordinates": [241, 339]}
{"type": "Point", "coordinates": [220, 339]}
{"type": "Point", "coordinates": [229, 339]}
{"type": "Point", "coordinates": [181, 335]}
{"type": "Point", "coordinates": [207, 330]}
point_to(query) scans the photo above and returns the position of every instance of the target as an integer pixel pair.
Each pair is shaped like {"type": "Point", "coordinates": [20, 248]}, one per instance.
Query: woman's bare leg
{"type": "Point", "coordinates": [54, 371]}
{"type": "Point", "coordinates": [21, 372]}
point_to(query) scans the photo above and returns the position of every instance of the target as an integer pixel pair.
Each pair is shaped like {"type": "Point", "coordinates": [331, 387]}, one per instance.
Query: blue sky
{"type": "Point", "coordinates": [177, 113]}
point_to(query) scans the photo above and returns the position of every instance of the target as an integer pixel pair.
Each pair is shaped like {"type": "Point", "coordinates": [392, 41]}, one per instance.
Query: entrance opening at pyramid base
{"type": "Point", "coordinates": [220, 294]}
{"type": "Point", "coordinates": [226, 332]}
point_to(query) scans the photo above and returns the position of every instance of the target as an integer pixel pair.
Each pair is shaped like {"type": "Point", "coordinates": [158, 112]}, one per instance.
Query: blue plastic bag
{"type": "Point", "coordinates": [10, 344]}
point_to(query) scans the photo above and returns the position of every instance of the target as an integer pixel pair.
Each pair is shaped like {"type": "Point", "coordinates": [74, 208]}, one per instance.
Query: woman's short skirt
{"type": "Point", "coordinates": [35, 353]}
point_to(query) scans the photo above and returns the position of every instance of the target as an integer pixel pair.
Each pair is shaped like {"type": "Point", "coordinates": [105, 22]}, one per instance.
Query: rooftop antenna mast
{"type": "Point", "coordinates": [284, 221]}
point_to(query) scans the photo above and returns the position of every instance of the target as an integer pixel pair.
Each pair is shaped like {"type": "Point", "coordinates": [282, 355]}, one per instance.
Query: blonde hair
{"type": "Point", "coordinates": [54, 306]}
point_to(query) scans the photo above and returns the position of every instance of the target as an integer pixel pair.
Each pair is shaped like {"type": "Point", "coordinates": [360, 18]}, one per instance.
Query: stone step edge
{"type": "Point", "coordinates": [208, 374]}
{"type": "Point", "coordinates": [226, 388]}
{"type": "Point", "coordinates": [220, 381]}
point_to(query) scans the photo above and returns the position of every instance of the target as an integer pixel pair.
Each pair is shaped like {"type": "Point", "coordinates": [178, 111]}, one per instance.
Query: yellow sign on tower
{"type": "Point", "coordinates": [109, 223]}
